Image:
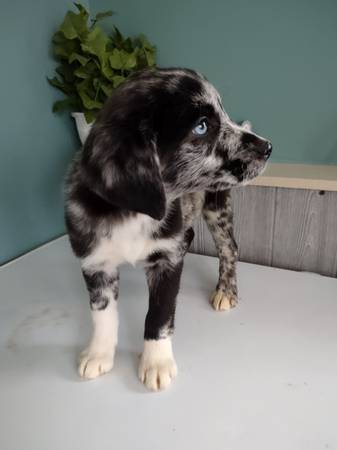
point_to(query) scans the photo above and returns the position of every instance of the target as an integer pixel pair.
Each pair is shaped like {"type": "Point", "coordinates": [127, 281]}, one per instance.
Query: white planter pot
{"type": "Point", "coordinates": [83, 127]}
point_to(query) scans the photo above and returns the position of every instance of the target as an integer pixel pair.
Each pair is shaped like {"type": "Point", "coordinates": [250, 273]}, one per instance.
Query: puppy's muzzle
{"type": "Point", "coordinates": [267, 150]}
{"type": "Point", "coordinates": [263, 149]}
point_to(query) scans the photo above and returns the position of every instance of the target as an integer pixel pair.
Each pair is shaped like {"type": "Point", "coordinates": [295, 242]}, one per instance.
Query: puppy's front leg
{"type": "Point", "coordinates": [218, 214]}
{"type": "Point", "coordinates": [98, 357]}
{"type": "Point", "coordinates": [157, 366]}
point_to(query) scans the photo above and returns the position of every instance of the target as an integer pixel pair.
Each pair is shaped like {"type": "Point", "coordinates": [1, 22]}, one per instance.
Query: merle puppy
{"type": "Point", "coordinates": [161, 151]}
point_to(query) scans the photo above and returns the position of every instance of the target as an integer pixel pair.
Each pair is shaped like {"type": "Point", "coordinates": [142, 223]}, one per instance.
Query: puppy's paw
{"type": "Point", "coordinates": [157, 367]}
{"type": "Point", "coordinates": [222, 301]}
{"type": "Point", "coordinates": [93, 364]}
{"type": "Point", "coordinates": [157, 375]}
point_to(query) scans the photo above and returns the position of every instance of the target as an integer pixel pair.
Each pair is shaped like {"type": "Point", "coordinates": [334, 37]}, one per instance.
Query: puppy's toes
{"type": "Point", "coordinates": [222, 301]}
{"type": "Point", "coordinates": [91, 364]}
{"type": "Point", "coordinates": [157, 375]}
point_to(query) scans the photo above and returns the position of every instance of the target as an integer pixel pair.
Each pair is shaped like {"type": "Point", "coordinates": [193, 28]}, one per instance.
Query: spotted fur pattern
{"type": "Point", "coordinates": [132, 194]}
{"type": "Point", "coordinates": [218, 214]}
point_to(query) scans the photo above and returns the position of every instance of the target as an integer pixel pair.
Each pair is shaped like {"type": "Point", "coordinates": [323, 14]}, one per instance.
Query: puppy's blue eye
{"type": "Point", "coordinates": [201, 128]}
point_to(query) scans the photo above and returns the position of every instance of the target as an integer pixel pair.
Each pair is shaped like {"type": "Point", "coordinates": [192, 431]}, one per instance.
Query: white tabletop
{"type": "Point", "coordinates": [263, 376]}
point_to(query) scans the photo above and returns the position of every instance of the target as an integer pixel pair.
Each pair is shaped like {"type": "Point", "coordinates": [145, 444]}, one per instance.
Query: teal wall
{"type": "Point", "coordinates": [274, 62]}
{"type": "Point", "coordinates": [35, 145]}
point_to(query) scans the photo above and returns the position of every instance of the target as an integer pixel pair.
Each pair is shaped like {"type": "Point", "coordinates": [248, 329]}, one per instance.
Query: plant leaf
{"type": "Point", "coordinates": [66, 72]}
{"type": "Point", "coordinates": [56, 83]}
{"type": "Point", "coordinates": [88, 102]}
{"type": "Point", "coordinates": [117, 38]}
{"type": "Point", "coordinates": [130, 60]}
{"type": "Point", "coordinates": [117, 80]}
{"type": "Point", "coordinates": [107, 71]}
{"type": "Point", "coordinates": [68, 103]}
{"type": "Point", "coordinates": [86, 94]}
{"type": "Point", "coordinates": [75, 25]}
{"type": "Point", "coordinates": [145, 43]}
{"type": "Point", "coordinates": [82, 73]}
{"type": "Point", "coordinates": [150, 58]}
{"type": "Point", "coordinates": [107, 89]}
{"type": "Point", "coordinates": [116, 59]}
{"type": "Point", "coordinates": [90, 116]}
{"type": "Point", "coordinates": [83, 60]}
{"type": "Point", "coordinates": [95, 43]}
{"type": "Point", "coordinates": [120, 59]}
{"type": "Point", "coordinates": [64, 47]}
{"type": "Point", "coordinates": [96, 83]}
{"type": "Point", "coordinates": [81, 8]}
{"type": "Point", "coordinates": [103, 15]}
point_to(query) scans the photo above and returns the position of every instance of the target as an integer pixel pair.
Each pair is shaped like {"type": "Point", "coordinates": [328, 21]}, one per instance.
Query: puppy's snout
{"type": "Point", "coordinates": [267, 149]}
{"type": "Point", "coordinates": [261, 147]}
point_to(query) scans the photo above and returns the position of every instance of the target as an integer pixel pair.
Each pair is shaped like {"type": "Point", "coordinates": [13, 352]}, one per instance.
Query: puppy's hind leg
{"type": "Point", "coordinates": [98, 357]}
{"type": "Point", "coordinates": [218, 214]}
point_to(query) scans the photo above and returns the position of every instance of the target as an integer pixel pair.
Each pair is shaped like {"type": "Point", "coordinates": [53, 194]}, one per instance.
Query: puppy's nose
{"type": "Point", "coordinates": [268, 150]}
{"type": "Point", "coordinates": [263, 148]}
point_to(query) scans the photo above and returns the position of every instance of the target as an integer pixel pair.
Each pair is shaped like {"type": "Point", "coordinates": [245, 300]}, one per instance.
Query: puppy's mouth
{"type": "Point", "coordinates": [254, 169]}
{"type": "Point", "coordinates": [243, 172]}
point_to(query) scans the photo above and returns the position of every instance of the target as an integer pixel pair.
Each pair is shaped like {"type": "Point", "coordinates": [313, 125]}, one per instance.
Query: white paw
{"type": "Point", "coordinates": [91, 364]}
{"type": "Point", "coordinates": [157, 375]}
{"type": "Point", "coordinates": [157, 366]}
{"type": "Point", "coordinates": [222, 301]}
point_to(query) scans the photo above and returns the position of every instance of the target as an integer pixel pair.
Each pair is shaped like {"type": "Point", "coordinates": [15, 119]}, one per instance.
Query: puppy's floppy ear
{"type": "Point", "coordinates": [120, 164]}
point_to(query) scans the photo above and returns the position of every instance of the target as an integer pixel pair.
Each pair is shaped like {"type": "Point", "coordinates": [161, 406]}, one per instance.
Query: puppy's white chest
{"type": "Point", "coordinates": [129, 241]}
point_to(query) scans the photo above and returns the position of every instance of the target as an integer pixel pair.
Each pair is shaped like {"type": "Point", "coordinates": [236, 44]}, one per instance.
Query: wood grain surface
{"type": "Point", "coordinates": [280, 227]}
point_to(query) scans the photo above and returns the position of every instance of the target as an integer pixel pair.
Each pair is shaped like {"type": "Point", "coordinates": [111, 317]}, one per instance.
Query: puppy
{"type": "Point", "coordinates": [161, 151]}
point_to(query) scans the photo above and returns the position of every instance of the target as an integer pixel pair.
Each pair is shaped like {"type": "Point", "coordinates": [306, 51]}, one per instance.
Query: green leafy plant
{"type": "Point", "coordinates": [93, 63]}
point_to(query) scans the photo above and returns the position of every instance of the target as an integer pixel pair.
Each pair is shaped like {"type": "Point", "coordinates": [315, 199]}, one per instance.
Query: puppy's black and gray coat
{"type": "Point", "coordinates": [161, 151]}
